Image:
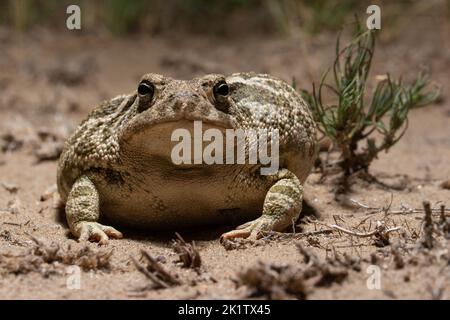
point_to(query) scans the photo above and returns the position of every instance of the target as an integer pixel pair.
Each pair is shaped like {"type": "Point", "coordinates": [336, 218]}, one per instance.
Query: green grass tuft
{"type": "Point", "coordinates": [350, 122]}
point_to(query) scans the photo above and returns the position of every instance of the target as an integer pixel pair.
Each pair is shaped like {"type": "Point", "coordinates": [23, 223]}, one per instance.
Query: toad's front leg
{"type": "Point", "coordinates": [281, 209]}
{"type": "Point", "coordinates": [82, 213]}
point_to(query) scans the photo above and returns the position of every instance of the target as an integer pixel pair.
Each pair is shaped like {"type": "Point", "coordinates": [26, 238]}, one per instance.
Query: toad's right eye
{"type": "Point", "coordinates": [221, 89]}
{"type": "Point", "coordinates": [146, 88]}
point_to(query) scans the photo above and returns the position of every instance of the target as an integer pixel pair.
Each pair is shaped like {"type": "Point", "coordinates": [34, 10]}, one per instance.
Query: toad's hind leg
{"type": "Point", "coordinates": [82, 213]}
{"type": "Point", "coordinates": [281, 209]}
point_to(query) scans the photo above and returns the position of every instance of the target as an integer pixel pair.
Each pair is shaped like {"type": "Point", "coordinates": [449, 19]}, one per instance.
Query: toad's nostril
{"type": "Point", "coordinates": [185, 101]}
{"type": "Point", "coordinates": [177, 105]}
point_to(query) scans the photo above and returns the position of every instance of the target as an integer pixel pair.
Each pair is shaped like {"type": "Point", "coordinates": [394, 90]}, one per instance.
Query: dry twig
{"type": "Point", "coordinates": [402, 210]}
{"type": "Point", "coordinates": [188, 253]}
{"type": "Point", "coordinates": [427, 239]}
{"type": "Point", "coordinates": [155, 272]}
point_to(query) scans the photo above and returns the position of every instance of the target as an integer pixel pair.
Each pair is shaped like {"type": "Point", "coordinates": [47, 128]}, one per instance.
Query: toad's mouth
{"type": "Point", "coordinates": [156, 116]}
{"type": "Point", "coordinates": [190, 119]}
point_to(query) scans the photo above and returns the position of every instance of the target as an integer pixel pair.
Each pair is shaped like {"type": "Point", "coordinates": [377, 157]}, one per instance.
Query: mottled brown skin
{"type": "Point", "coordinates": [117, 164]}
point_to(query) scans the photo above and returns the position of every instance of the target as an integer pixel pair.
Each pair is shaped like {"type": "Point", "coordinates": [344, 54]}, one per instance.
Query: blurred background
{"type": "Point", "coordinates": [225, 18]}
{"type": "Point", "coordinates": [50, 71]}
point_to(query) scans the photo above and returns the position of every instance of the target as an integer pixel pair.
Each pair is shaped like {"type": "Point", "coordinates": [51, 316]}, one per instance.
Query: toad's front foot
{"type": "Point", "coordinates": [95, 231]}
{"type": "Point", "coordinates": [282, 207]}
{"type": "Point", "coordinates": [82, 212]}
{"type": "Point", "coordinates": [252, 230]}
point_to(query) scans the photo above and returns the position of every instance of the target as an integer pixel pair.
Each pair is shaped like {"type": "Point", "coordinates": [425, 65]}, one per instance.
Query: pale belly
{"type": "Point", "coordinates": [157, 199]}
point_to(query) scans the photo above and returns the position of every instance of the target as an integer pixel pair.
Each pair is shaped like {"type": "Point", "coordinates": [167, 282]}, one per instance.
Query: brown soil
{"type": "Point", "coordinates": [50, 81]}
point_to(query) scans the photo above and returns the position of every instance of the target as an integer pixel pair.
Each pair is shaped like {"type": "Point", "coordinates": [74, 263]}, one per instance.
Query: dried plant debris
{"type": "Point", "coordinates": [275, 235]}
{"type": "Point", "coordinates": [9, 237]}
{"type": "Point", "coordinates": [187, 253]}
{"type": "Point", "coordinates": [444, 223]}
{"type": "Point", "coordinates": [50, 145]}
{"type": "Point", "coordinates": [428, 228]}
{"type": "Point", "coordinates": [159, 276]}
{"type": "Point", "coordinates": [400, 256]}
{"type": "Point", "coordinates": [399, 262]}
{"type": "Point", "coordinates": [272, 281]}
{"type": "Point", "coordinates": [72, 72]}
{"type": "Point", "coordinates": [11, 188]}
{"type": "Point", "coordinates": [380, 234]}
{"type": "Point", "coordinates": [387, 210]}
{"type": "Point", "coordinates": [43, 143]}
{"type": "Point", "coordinates": [6, 235]}
{"type": "Point", "coordinates": [234, 244]}
{"type": "Point", "coordinates": [430, 247]}
{"type": "Point", "coordinates": [239, 243]}
{"type": "Point", "coordinates": [326, 272]}
{"type": "Point", "coordinates": [10, 143]}
{"type": "Point", "coordinates": [48, 258]}
{"type": "Point", "coordinates": [434, 234]}
{"type": "Point", "coordinates": [13, 206]}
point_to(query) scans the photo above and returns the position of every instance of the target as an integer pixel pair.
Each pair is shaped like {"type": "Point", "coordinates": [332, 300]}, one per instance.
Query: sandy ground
{"type": "Point", "coordinates": [50, 81]}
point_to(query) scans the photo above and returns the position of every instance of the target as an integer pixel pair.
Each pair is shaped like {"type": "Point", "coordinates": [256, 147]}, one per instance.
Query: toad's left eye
{"type": "Point", "coordinates": [221, 89]}
{"type": "Point", "coordinates": [146, 88]}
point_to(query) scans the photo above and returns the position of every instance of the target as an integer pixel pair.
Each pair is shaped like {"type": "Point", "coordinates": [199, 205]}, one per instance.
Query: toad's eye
{"type": "Point", "coordinates": [221, 89]}
{"type": "Point", "coordinates": [146, 89]}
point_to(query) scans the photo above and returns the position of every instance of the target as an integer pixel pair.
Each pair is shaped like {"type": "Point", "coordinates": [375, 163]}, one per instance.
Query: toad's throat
{"type": "Point", "coordinates": [193, 145]}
